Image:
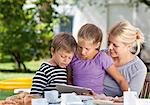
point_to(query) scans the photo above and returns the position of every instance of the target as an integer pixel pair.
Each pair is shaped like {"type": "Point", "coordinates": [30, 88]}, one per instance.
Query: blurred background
{"type": "Point", "coordinates": [27, 28]}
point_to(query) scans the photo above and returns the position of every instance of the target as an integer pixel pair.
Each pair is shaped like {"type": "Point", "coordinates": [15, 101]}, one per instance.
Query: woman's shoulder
{"type": "Point", "coordinates": [140, 64]}
{"type": "Point", "coordinates": [136, 65]}
{"type": "Point", "coordinates": [137, 62]}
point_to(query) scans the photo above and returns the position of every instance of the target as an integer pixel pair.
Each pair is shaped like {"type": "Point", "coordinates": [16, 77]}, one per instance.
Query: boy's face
{"type": "Point", "coordinates": [62, 58]}
{"type": "Point", "coordinates": [86, 49]}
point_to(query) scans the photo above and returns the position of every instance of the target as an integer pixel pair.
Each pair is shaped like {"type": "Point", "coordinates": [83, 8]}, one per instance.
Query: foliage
{"type": "Point", "coordinates": [26, 29]}
{"type": "Point", "coordinates": [137, 2]}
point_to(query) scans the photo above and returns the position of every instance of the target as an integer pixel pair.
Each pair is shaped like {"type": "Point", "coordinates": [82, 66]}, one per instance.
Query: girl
{"type": "Point", "coordinates": [89, 65]}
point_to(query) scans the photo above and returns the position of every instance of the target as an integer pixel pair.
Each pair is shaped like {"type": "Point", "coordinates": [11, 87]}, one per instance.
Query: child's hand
{"type": "Point", "coordinates": [91, 93]}
{"type": "Point", "coordinates": [118, 99]}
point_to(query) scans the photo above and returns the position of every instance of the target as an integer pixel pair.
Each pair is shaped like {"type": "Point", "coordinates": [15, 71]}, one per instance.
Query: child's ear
{"type": "Point", "coordinates": [52, 50]}
{"type": "Point", "coordinates": [98, 44]}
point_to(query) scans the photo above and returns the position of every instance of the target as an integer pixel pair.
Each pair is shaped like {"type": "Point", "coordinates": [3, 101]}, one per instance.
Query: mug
{"type": "Point", "coordinates": [39, 101]}
{"type": "Point", "coordinates": [130, 97]}
{"type": "Point", "coordinates": [51, 96]}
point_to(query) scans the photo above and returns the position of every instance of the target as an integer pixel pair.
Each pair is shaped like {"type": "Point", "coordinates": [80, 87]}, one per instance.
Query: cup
{"type": "Point", "coordinates": [51, 96]}
{"type": "Point", "coordinates": [39, 101]}
{"type": "Point", "coordinates": [143, 102]}
{"type": "Point", "coordinates": [130, 97]}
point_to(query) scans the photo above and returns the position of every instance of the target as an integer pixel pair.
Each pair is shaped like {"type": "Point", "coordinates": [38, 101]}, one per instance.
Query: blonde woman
{"type": "Point", "coordinates": [122, 40]}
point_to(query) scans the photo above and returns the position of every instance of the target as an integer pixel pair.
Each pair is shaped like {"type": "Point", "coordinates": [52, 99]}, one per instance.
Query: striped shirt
{"type": "Point", "coordinates": [47, 77]}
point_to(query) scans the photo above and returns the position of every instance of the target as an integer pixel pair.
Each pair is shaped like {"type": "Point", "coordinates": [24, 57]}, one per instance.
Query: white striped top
{"type": "Point", "coordinates": [47, 77]}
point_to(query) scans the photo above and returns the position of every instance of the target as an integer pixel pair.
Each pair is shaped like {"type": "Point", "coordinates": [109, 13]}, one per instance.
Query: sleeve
{"type": "Point", "coordinates": [136, 83]}
{"type": "Point", "coordinates": [39, 83]}
{"type": "Point", "coordinates": [106, 61]}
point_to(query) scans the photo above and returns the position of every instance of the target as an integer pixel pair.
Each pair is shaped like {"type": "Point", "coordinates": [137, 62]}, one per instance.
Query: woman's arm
{"type": "Point", "coordinates": [137, 81]}
{"type": "Point", "coordinates": [114, 73]}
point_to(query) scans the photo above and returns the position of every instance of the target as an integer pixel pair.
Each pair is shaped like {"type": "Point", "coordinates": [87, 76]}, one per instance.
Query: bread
{"type": "Point", "coordinates": [23, 98]}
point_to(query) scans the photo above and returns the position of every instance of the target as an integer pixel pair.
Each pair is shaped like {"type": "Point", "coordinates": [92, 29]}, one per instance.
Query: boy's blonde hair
{"type": "Point", "coordinates": [64, 41]}
{"type": "Point", "coordinates": [128, 34]}
{"type": "Point", "coordinates": [90, 32]}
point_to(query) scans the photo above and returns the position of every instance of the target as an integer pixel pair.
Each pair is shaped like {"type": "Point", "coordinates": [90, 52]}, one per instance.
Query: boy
{"type": "Point", "coordinates": [54, 71]}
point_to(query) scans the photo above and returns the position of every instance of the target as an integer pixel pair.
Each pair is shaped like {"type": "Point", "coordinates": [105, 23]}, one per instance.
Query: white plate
{"type": "Point", "coordinates": [106, 102]}
{"type": "Point", "coordinates": [103, 101]}
{"type": "Point", "coordinates": [85, 98]}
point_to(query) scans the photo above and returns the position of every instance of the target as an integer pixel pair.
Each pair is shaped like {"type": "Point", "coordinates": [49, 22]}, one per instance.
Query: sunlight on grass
{"type": "Point", "coordinates": [5, 93]}
{"type": "Point", "coordinates": [32, 65]}
{"type": "Point", "coordinates": [6, 66]}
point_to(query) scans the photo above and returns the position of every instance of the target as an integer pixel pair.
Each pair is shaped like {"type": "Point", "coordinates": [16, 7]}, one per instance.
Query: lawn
{"type": "Point", "coordinates": [32, 65]}
{"type": "Point", "coordinates": [5, 93]}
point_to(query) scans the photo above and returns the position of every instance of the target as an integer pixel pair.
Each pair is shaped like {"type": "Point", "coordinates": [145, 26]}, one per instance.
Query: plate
{"type": "Point", "coordinates": [103, 101]}
{"type": "Point", "coordinates": [56, 102]}
{"type": "Point", "coordinates": [106, 102]}
{"type": "Point", "coordinates": [85, 98]}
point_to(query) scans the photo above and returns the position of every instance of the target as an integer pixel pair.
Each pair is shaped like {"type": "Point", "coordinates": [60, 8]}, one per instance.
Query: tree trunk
{"type": "Point", "coordinates": [19, 62]}
{"type": "Point", "coordinates": [24, 66]}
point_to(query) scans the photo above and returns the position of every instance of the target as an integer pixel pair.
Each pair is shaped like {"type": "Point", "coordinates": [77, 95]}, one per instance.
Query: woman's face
{"type": "Point", "coordinates": [116, 48]}
{"type": "Point", "coordinates": [86, 49]}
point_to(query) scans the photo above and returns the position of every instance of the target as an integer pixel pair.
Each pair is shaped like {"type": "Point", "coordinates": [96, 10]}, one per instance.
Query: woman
{"type": "Point", "coordinates": [123, 39]}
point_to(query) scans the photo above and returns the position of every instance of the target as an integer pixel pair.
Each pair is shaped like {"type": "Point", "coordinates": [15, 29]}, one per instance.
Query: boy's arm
{"type": "Point", "coordinates": [113, 72]}
{"type": "Point", "coordinates": [39, 82]}
{"type": "Point", "coordinates": [69, 76]}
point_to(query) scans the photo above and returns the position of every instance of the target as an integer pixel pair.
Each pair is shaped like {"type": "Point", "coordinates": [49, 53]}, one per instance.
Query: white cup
{"type": "Point", "coordinates": [51, 96]}
{"type": "Point", "coordinates": [143, 102]}
{"type": "Point", "coordinates": [130, 97]}
{"type": "Point", "coordinates": [39, 101]}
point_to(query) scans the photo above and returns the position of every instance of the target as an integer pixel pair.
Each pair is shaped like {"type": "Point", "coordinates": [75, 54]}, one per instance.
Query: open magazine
{"type": "Point", "coordinates": [63, 88]}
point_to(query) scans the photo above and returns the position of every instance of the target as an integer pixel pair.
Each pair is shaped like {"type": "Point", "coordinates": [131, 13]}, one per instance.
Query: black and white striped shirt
{"type": "Point", "coordinates": [47, 77]}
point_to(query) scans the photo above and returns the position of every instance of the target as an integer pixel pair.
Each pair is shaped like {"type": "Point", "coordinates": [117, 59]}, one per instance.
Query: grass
{"type": "Point", "coordinates": [5, 93]}
{"type": "Point", "coordinates": [32, 65]}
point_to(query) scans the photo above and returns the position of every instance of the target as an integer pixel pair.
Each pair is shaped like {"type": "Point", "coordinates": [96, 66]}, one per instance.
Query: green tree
{"type": "Point", "coordinates": [25, 32]}
{"type": "Point", "coordinates": [138, 2]}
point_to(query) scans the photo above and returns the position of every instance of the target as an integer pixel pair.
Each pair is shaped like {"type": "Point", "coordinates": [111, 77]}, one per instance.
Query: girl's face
{"type": "Point", "coordinates": [86, 49]}
{"type": "Point", "coordinates": [62, 58]}
{"type": "Point", "coordinates": [116, 48]}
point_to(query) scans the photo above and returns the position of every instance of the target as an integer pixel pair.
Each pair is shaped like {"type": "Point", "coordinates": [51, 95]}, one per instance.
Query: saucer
{"type": "Point", "coordinates": [56, 102]}
{"type": "Point", "coordinates": [85, 98]}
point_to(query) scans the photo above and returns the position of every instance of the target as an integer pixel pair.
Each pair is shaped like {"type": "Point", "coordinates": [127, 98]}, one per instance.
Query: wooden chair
{"type": "Point", "coordinates": [145, 93]}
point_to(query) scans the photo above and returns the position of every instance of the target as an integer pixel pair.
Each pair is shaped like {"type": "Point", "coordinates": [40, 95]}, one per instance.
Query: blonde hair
{"type": "Point", "coordinates": [90, 32]}
{"type": "Point", "coordinates": [128, 34]}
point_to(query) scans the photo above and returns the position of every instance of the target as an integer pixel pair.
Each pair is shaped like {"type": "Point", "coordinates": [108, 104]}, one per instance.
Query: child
{"type": "Point", "coordinates": [88, 67]}
{"type": "Point", "coordinates": [54, 71]}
